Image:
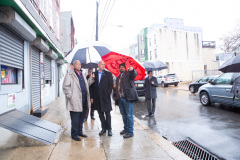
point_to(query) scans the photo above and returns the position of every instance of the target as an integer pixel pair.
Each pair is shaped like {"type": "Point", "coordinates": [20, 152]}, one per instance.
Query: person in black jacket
{"type": "Point", "coordinates": [90, 70]}
{"type": "Point", "coordinates": [150, 86]}
{"type": "Point", "coordinates": [102, 89]}
{"type": "Point", "coordinates": [125, 95]}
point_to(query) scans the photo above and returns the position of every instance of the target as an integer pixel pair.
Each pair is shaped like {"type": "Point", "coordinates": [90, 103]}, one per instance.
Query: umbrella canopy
{"type": "Point", "coordinates": [88, 52]}
{"type": "Point", "coordinates": [113, 60]}
{"type": "Point", "coordinates": [154, 65]}
{"type": "Point", "coordinates": [231, 65]}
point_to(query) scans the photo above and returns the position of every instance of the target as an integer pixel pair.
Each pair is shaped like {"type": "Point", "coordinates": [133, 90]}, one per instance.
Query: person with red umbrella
{"type": "Point", "coordinates": [126, 94]}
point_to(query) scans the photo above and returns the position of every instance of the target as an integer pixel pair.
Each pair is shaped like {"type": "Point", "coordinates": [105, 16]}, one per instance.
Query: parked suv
{"type": "Point", "coordinates": [218, 91]}
{"type": "Point", "coordinates": [168, 79]}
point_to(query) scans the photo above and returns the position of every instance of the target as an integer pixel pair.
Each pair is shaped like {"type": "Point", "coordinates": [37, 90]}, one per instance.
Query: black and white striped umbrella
{"type": "Point", "coordinates": [88, 53]}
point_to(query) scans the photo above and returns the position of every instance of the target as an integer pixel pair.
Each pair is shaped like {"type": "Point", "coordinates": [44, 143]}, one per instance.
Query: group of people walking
{"type": "Point", "coordinates": [94, 92]}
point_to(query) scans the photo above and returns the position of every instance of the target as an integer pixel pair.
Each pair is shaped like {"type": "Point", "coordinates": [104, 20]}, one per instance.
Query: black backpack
{"type": "Point", "coordinates": [236, 88]}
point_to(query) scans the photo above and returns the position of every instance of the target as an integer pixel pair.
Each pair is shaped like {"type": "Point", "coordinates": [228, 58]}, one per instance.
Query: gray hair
{"type": "Point", "coordinates": [76, 61]}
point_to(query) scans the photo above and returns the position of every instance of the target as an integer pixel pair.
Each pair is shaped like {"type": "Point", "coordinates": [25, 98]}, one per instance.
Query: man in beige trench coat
{"type": "Point", "coordinates": [76, 90]}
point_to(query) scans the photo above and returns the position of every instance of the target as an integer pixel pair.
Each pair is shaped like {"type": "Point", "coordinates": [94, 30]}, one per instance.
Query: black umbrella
{"type": "Point", "coordinates": [90, 65]}
{"type": "Point", "coordinates": [154, 65]}
{"type": "Point", "coordinates": [231, 65]}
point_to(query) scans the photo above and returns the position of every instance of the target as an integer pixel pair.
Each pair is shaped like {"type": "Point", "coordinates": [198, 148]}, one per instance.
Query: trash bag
{"type": "Point", "coordinates": [236, 88]}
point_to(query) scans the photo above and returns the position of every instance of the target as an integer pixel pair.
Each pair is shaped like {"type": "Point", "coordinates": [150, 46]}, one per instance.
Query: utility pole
{"type": "Point", "coordinates": [97, 21]}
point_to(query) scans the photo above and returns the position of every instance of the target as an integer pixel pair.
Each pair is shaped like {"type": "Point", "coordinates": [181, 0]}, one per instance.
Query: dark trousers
{"type": "Point", "coordinates": [87, 112]}
{"type": "Point", "coordinates": [105, 118]}
{"type": "Point", "coordinates": [77, 123]}
{"type": "Point", "coordinates": [151, 105]}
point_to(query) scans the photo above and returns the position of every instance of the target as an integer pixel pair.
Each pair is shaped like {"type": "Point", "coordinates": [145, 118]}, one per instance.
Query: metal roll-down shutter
{"type": "Point", "coordinates": [11, 48]}
{"type": "Point", "coordinates": [47, 70]}
{"type": "Point", "coordinates": [36, 80]}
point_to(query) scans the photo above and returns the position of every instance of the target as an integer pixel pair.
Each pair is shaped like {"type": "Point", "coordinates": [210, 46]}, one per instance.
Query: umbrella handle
{"type": "Point", "coordinates": [89, 58]}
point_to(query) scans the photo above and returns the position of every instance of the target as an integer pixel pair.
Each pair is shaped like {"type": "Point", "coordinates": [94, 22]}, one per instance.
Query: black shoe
{"type": "Point", "coordinates": [82, 135]}
{"type": "Point", "coordinates": [148, 115]}
{"type": "Point", "coordinates": [128, 135]}
{"type": "Point", "coordinates": [102, 132]}
{"type": "Point", "coordinates": [76, 138]}
{"type": "Point", "coordinates": [92, 118]}
{"type": "Point", "coordinates": [152, 115]}
{"type": "Point", "coordinates": [123, 132]}
{"type": "Point", "coordinates": [85, 119]}
{"type": "Point", "coordinates": [110, 133]}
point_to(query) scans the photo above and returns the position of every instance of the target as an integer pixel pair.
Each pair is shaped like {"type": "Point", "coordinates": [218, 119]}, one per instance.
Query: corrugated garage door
{"type": "Point", "coordinates": [11, 47]}
{"type": "Point", "coordinates": [36, 80]}
{"type": "Point", "coordinates": [47, 69]}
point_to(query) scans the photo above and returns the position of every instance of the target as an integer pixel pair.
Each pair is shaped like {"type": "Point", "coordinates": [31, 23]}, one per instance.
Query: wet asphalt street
{"type": "Point", "coordinates": [179, 115]}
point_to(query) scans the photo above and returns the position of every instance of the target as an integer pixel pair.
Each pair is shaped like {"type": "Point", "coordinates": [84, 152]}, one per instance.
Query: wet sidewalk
{"type": "Point", "coordinates": [145, 144]}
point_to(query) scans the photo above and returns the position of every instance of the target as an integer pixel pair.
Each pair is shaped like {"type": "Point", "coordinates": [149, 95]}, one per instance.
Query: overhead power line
{"type": "Point", "coordinates": [107, 17]}
{"type": "Point", "coordinates": [104, 13]}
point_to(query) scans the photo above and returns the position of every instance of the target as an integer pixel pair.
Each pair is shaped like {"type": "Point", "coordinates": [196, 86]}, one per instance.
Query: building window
{"type": "Point", "coordinates": [8, 75]}
{"type": "Point", "coordinates": [155, 39]}
{"type": "Point", "coordinates": [150, 42]}
{"type": "Point", "coordinates": [150, 55]}
{"type": "Point", "coordinates": [155, 53]}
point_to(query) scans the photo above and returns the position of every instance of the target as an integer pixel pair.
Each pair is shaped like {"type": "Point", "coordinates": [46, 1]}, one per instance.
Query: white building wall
{"type": "Point", "coordinates": [180, 50]}
{"type": "Point", "coordinates": [209, 58]}
{"type": "Point", "coordinates": [66, 31]}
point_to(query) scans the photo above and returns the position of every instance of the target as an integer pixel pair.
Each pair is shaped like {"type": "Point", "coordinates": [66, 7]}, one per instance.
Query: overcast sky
{"type": "Point", "coordinates": [215, 17]}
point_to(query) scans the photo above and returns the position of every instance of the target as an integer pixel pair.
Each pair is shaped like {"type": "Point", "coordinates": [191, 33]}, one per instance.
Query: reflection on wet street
{"type": "Point", "coordinates": [179, 115]}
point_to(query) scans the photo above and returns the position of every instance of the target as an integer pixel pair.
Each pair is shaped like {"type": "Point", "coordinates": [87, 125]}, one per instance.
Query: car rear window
{"type": "Point", "coordinates": [170, 75]}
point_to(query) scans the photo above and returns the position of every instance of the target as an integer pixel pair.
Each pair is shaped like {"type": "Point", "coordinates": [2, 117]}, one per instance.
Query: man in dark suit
{"type": "Point", "coordinates": [103, 84]}
{"type": "Point", "coordinates": [150, 86]}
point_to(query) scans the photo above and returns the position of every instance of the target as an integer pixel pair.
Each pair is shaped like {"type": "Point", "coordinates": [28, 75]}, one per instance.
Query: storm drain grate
{"type": "Point", "coordinates": [194, 151]}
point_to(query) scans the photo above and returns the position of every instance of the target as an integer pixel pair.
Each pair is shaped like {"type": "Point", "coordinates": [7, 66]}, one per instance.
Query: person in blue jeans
{"type": "Point", "coordinates": [126, 94]}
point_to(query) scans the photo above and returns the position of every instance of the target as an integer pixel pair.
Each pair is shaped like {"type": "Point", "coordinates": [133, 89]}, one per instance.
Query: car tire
{"type": "Point", "coordinates": [204, 99]}
{"type": "Point", "coordinates": [176, 84]}
{"type": "Point", "coordinates": [191, 89]}
{"type": "Point", "coordinates": [163, 85]}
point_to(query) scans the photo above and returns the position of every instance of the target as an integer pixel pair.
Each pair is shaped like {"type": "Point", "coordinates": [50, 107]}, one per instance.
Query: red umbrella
{"type": "Point", "coordinates": [113, 60]}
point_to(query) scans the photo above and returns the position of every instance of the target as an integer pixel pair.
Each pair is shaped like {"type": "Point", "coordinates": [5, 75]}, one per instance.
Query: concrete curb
{"type": "Point", "coordinates": [171, 150]}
